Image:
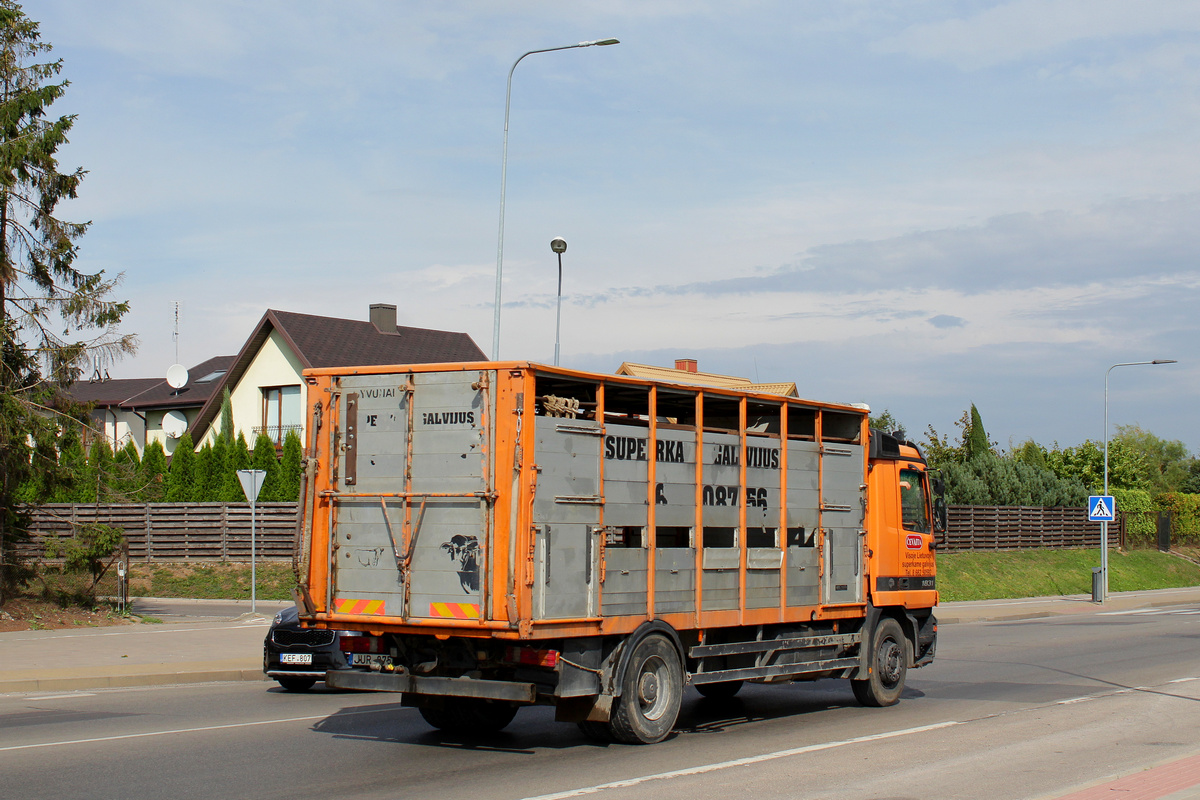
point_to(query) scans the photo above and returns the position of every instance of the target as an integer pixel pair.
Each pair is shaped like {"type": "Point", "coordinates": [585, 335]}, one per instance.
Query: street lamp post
{"type": "Point", "coordinates": [1104, 525]}
{"type": "Point", "coordinates": [558, 245]}
{"type": "Point", "coordinates": [504, 177]}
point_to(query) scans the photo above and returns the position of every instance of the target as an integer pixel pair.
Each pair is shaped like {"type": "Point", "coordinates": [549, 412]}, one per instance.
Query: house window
{"type": "Point", "coordinates": [281, 412]}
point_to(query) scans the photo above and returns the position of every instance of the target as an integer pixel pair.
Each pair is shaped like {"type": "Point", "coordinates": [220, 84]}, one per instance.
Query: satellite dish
{"type": "Point", "coordinates": [177, 376]}
{"type": "Point", "coordinates": [174, 424]}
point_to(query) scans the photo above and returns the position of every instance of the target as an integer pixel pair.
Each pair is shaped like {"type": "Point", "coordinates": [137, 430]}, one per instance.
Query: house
{"type": "Point", "coordinates": [134, 409]}
{"type": "Point", "coordinates": [686, 371]}
{"type": "Point", "coordinates": [265, 381]}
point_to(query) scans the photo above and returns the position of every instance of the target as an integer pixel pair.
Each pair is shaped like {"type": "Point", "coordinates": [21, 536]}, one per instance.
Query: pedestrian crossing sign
{"type": "Point", "coordinates": [1102, 508]}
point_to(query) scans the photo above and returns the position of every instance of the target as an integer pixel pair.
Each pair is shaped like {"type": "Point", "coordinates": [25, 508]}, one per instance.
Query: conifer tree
{"type": "Point", "coordinates": [181, 475]}
{"type": "Point", "coordinates": [152, 478]}
{"type": "Point", "coordinates": [289, 468]}
{"type": "Point", "coordinates": [125, 473]}
{"type": "Point", "coordinates": [977, 440]}
{"type": "Point", "coordinates": [44, 300]}
{"type": "Point", "coordinates": [239, 458]}
{"type": "Point", "coordinates": [226, 432]}
{"type": "Point", "coordinates": [95, 487]}
{"type": "Point", "coordinates": [72, 466]}
{"type": "Point", "coordinates": [264, 459]}
{"type": "Point", "coordinates": [220, 466]}
{"type": "Point", "coordinates": [204, 475]}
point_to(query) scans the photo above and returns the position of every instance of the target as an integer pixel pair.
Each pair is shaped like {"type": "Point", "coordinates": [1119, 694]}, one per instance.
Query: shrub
{"type": "Point", "coordinates": [1137, 509]}
{"type": "Point", "coordinates": [1185, 515]}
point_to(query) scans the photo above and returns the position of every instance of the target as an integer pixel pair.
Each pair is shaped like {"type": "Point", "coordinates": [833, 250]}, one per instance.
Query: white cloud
{"type": "Point", "coordinates": [1021, 29]}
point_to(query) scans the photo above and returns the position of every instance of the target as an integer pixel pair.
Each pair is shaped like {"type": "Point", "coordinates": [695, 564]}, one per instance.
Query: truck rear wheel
{"type": "Point", "coordinates": [469, 715]}
{"type": "Point", "coordinates": [888, 664]}
{"type": "Point", "coordinates": [651, 693]}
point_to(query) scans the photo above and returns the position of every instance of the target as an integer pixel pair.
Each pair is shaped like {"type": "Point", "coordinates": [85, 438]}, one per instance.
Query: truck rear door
{"type": "Point", "coordinates": [411, 512]}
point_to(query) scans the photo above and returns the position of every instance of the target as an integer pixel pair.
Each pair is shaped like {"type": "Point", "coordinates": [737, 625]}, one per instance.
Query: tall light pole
{"type": "Point", "coordinates": [504, 177]}
{"type": "Point", "coordinates": [558, 245]}
{"type": "Point", "coordinates": [1104, 525]}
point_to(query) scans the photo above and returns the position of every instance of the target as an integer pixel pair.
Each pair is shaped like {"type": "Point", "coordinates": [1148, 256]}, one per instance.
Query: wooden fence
{"type": "Point", "coordinates": [1023, 528]}
{"type": "Point", "coordinates": [221, 531]}
{"type": "Point", "coordinates": [176, 531]}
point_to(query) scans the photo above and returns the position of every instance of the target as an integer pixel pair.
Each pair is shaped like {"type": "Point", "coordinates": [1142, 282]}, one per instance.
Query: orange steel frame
{"type": "Point", "coordinates": [511, 480]}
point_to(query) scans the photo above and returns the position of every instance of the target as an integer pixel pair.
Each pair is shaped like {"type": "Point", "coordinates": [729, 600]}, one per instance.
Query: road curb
{"type": "Point", "coordinates": [1040, 608]}
{"type": "Point", "coordinates": [164, 677]}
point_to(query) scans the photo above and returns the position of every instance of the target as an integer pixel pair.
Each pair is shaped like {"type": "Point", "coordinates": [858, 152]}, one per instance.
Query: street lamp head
{"type": "Point", "coordinates": [599, 43]}
{"type": "Point", "coordinates": [558, 244]}
{"type": "Point", "coordinates": [1164, 361]}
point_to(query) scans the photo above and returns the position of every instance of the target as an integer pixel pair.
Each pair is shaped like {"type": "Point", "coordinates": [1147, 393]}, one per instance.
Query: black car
{"type": "Point", "coordinates": [299, 657]}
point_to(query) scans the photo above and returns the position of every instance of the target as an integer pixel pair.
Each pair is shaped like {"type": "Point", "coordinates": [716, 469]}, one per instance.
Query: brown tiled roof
{"type": "Point", "coordinates": [191, 394]}
{"type": "Point", "coordinates": [143, 393]}
{"type": "Point", "coordinates": [332, 342]}
{"type": "Point", "coordinates": [110, 392]}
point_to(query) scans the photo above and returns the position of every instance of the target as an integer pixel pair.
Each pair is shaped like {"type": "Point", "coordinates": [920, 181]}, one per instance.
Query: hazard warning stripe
{"type": "Point", "coordinates": [454, 610]}
{"type": "Point", "coordinates": [350, 606]}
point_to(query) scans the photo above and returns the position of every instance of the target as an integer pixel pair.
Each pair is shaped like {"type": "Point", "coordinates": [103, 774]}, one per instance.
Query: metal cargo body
{"type": "Point", "coordinates": [518, 501]}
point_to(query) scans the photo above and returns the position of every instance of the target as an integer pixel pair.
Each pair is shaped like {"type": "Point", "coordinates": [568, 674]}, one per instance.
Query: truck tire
{"type": "Point", "coordinates": [719, 691]}
{"type": "Point", "coordinates": [651, 693]}
{"type": "Point", "coordinates": [888, 665]}
{"type": "Point", "coordinates": [469, 715]}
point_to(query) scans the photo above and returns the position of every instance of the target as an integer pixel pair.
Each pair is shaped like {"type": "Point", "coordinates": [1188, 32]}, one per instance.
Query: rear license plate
{"type": "Point", "coordinates": [295, 658]}
{"type": "Point", "coordinates": [369, 660]}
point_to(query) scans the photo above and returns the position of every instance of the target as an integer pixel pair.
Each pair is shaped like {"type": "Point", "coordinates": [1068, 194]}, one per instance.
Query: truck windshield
{"type": "Point", "coordinates": [914, 511]}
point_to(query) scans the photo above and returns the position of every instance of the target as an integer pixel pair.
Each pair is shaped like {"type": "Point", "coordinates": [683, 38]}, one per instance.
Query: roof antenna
{"type": "Point", "coordinates": [177, 374]}
{"type": "Point", "coordinates": [175, 333]}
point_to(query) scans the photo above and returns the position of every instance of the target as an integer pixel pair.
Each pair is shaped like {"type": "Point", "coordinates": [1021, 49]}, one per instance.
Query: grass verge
{"type": "Point", "coordinates": [1047, 573]}
{"type": "Point", "coordinates": [206, 580]}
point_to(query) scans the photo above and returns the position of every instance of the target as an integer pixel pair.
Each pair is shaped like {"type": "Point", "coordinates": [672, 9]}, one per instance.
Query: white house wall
{"type": "Point", "coordinates": [273, 365]}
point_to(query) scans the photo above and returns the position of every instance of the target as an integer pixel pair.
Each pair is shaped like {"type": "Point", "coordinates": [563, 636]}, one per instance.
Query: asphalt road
{"type": "Point", "coordinates": [1009, 710]}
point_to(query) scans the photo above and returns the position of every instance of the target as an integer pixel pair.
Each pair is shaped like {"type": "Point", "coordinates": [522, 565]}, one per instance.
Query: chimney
{"type": "Point", "coordinates": [686, 364]}
{"type": "Point", "coordinates": [383, 317]}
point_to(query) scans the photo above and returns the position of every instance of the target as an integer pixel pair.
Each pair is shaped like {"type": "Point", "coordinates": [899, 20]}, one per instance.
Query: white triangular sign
{"type": "Point", "coordinates": [1101, 508]}
{"type": "Point", "coordinates": [252, 481]}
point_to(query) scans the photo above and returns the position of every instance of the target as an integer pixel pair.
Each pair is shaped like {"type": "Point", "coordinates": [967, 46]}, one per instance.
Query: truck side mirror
{"type": "Point", "coordinates": [940, 515]}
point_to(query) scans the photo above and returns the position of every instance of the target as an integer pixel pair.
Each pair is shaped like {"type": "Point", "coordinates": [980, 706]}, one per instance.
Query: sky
{"type": "Point", "coordinates": [916, 204]}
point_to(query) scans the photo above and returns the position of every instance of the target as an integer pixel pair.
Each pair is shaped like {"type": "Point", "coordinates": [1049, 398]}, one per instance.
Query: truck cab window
{"type": "Point", "coordinates": [914, 510]}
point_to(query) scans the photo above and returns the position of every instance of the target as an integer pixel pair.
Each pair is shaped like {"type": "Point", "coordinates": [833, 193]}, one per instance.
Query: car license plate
{"type": "Point", "coordinates": [369, 660]}
{"type": "Point", "coordinates": [295, 658]}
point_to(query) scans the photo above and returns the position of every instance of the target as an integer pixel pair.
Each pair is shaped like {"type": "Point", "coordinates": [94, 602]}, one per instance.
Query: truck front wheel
{"type": "Point", "coordinates": [651, 693]}
{"type": "Point", "coordinates": [888, 665]}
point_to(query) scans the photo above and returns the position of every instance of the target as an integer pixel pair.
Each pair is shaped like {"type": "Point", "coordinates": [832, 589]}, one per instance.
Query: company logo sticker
{"type": "Point", "coordinates": [913, 541]}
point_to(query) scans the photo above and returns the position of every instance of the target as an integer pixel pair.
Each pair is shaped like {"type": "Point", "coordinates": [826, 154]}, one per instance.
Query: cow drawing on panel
{"type": "Point", "coordinates": [466, 550]}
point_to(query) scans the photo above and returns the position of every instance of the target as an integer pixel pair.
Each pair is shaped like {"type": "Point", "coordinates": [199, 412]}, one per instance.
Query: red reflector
{"type": "Point", "coordinates": [361, 644]}
{"type": "Point", "coordinates": [535, 658]}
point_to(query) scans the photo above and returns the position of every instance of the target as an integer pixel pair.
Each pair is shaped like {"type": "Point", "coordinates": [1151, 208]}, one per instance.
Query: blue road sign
{"type": "Point", "coordinates": [1102, 508]}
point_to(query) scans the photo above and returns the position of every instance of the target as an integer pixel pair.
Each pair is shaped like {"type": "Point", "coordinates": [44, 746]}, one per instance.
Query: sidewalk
{"type": "Point", "coordinates": [220, 640]}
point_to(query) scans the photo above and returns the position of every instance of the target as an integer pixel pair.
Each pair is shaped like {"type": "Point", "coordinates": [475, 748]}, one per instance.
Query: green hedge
{"type": "Point", "coordinates": [1136, 505]}
{"type": "Point", "coordinates": [1185, 515]}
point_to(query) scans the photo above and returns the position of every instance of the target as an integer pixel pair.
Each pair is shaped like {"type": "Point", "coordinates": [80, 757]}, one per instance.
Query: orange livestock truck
{"type": "Point", "coordinates": [510, 534]}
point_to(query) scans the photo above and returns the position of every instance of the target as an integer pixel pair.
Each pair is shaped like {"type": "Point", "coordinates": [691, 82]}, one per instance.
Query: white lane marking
{"type": "Point", "coordinates": [180, 730]}
{"type": "Point", "coordinates": [1129, 613]}
{"type": "Point", "coordinates": [1083, 699]}
{"type": "Point", "coordinates": [134, 633]}
{"type": "Point", "coordinates": [1180, 611]}
{"type": "Point", "coordinates": [1184, 680]}
{"type": "Point", "coordinates": [737, 762]}
{"type": "Point", "coordinates": [57, 696]}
